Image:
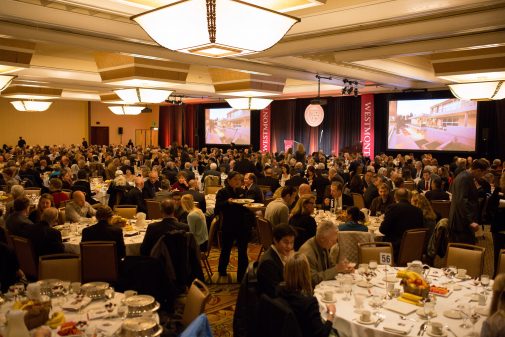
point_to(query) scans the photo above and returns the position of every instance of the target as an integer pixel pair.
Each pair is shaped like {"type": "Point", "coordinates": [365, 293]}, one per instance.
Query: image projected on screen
{"type": "Point", "coordinates": [432, 125]}
{"type": "Point", "coordinates": [227, 125]}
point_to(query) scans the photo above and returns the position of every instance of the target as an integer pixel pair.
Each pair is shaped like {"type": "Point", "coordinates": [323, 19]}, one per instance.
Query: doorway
{"type": "Point", "coordinates": [99, 135]}
{"type": "Point", "coordinates": [146, 137]}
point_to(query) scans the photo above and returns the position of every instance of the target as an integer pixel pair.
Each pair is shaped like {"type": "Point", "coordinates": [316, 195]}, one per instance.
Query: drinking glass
{"type": "Point", "coordinates": [347, 286]}
{"type": "Point", "coordinates": [474, 318]}
{"type": "Point", "coordinates": [359, 299]}
{"type": "Point", "coordinates": [109, 293]}
{"type": "Point", "coordinates": [484, 281]}
{"type": "Point", "coordinates": [429, 310]}
{"type": "Point", "coordinates": [122, 311]}
{"type": "Point", "coordinates": [465, 311]}
{"type": "Point", "coordinates": [372, 265]}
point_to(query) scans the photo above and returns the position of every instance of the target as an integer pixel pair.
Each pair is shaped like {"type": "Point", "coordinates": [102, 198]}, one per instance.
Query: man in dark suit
{"type": "Point", "coordinates": [336, 198]}
{"type": "Point", "coordinates": [197, 196]}
{"type": "Point", "coordinates": [296, 179]}
{"type": "Point", "coordinates": [188, 171]}
{"type": "Point", "coordinates": [400, 217]}
{"type": "Point", "coordinates": [151, 186]}
{"type": "Point", "coordinates": [424, 183]}
{"type": "Point", "coordinates": [252, 190]}
{"type": "Point", "coordinates": [135, 196]}
{"type": "Point", "coordinates": [45, 239]}
{"type": "Point", "coordinates": [212, 171]}
{"type": "Point", "coordinates": [156, 230]}
{"type": "Point", "coordinates": [82, 184]}
{"type": "Point", "coordinates": [371, 191]}
{"type": "Point", "coordinates": [269, 180]}
{"type": "Point", "coordinates": [104, 231]}
{"type": "Point", "coordinates": [17, 223]}
{"type": "Point", "coordinates": [271, 267]}
{"type": "Point", "coordinates": [464, 212]}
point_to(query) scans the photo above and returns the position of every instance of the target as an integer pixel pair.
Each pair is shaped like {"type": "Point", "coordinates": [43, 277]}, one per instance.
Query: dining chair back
{"type": "Point", "coordinates": [410, 185]}
{"type": "Point", "coordinates": [204, 256]}
{"type": "Point", "coordinates": [348, 244]}
{"type": "Point", "coordinates": [32, 190]}
{"type": "Point", "coordinates": [441, 207]}
{"type": "Point", "coordinates": [126, 211]}
{"type": "Point", "coordinates": [153, 209]}
{"type": "Point", "coordinates": [371, 251]}
{"type": "Point", "coordinates": [99, 261]}
{"type": "Point", "coordinates": [212, 189]}
{"type": "Point", "coordinates": [412, 246]}
{"type": "Point", "coordinates": [358, 200]}
{"type": "Point", "coordinates": [65, 267]}
{"type": "Point", "coordinates": [267, 191]}
{"type": "Point", "coordinates": [196, 299]}
{"type": "Point", "coordinates": [265, 234]}
{"type": "Point", "coordinates": [501, 263]}
{"type": "Point", "coordinates": [211, 180]}
{"type": "Point", "coordinates": [465, 256]}
{"type": "Point", "coordinates": [68, 193]}
{"type": "Point", "coordinates": [61, 215]}
{"type": "Point", "coordinates": [27, 258]}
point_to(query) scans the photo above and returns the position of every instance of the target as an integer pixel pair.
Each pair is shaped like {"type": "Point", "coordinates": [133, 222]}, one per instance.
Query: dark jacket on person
{"type": "Point", "coordinates": [319, 184]}
{"type": "Point", "coordinates": [296, 181]}
{"type": "Point", "coordinates": [378, 205]}
{"type": "Point", "coordinates": [45, 239]}
{"type": "Point", "coordinates": [236, 218]}
{"type": "Point", "coordinates": [370, 193]}
{"type": "Point", "coordinates": [103, 231]}
{"type": "Point", "coordinates": [150, 189]}
{"type": "Point", "coordinates": [135, 197]}
{"type": "Point", "coordinates": [18, 225]}
{"type": "Point", "coordinates": [84, 186]}
{"type": "Point", "coordinates": [305, 227]}
{"type": "Point", "coordinates": [269, 181]}
{"type": "Point", "coordinates": [437, 195]}
{"type": "Point", "coordinates": [9, 267]}
{"type": "Point", "coordinates": [199, 198]}
{"type": "Point", "coordinates": [270, 272]}
{"type": "Point", "coordinates": [254, 192]}
{"type": "Point", "coordinates": [156, 230]}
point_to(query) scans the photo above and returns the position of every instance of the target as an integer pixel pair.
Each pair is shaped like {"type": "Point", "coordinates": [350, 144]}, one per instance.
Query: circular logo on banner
{"type": "Point", "coordinates": [314, 115]}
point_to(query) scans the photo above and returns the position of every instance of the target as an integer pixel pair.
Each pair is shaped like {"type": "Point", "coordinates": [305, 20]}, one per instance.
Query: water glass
{"type": "Point", "coordinates": [484, 281]}
{"type": "Point", "coordinates": [372, 264]}
{"type": "Point", "coordinates": [109, 293]}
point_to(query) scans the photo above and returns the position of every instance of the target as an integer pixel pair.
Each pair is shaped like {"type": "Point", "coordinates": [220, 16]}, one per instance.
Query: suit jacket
{"type": "Point", "coordinates": [270, 272]}
{"type": "Point", "coordinates": [254, 192]}
{"type": "Point", "coordinates": [437, 195]}
{"type": "Point", "coordinates": [296, 181]}
{"type": "Point", "coordinates": [305, 226]}
{"type": "Point", "coordinates": [19, 225]}
{"type": "Point", "coordinates": [189, 174]}
{"type": "Point", "coordinates": [421, 185]}
{"type": "Point", "coordinates": [84, 186]}
{"type": "Point", "coordinates": [464, 208]}
{"type": "Point", "coordinates": [156, 230]}
{"type": "Point", "coordinates": [135, 197]}
{"type": "Point", "coordinates": [322, 267]}
{"type": "Point", "coordinates": [45, 239]}
{"type": "Point", "coordinates": [399, 218]}
{"type": "Point", "coordinates": [102, 231]}
{"type": "Point", "coordinates": [370, 193]}
{"type": "Point", "coordinates": [150, 189]}
{"type": "Point", "coordinates": [198, 197]}
{"type": "Point", "coordinates": [269, 181]}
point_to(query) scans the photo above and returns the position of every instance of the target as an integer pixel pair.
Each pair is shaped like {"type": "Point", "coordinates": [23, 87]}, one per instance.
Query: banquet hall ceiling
{"type": "Point", "coordinates": [386, 45]}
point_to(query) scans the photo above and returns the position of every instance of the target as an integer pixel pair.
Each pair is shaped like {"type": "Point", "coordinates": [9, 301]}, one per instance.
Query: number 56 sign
{"type": "Point", "coordinates": [385, 258]}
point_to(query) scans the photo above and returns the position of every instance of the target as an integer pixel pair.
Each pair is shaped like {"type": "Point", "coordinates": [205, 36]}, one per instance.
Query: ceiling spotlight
{"type": "Point", "coordinates": [350, 87]}
{"type": "Point", "coordinates": [175, 99]}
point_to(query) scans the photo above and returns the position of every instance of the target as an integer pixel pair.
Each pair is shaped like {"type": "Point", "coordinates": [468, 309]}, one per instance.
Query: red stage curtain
{"type": "Point", "coordinates": [177, 124]}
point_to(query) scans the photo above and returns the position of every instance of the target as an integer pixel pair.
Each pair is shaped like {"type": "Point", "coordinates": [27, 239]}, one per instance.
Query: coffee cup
{"type": "Point", "coordinates": [364, 266]}
{"type": "Point", "coordinates": [366, 316]}
{"type": "Point", "coordinates": [328, 296]}
{"type": "Point", "coordinates": [437, 328]}
{"type": "Point", "coordinates": [65, 232]}
{"type": "Point", "coordinates": [129, 293]}
{"type": "Point", "coordinates": [461, 273]}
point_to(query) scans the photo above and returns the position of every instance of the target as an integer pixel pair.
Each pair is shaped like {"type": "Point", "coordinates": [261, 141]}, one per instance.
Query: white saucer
{"type": "Point", "coordinates": [466, 277]}
{"type": "Point", "coordinates": [454, 314]}
{"type": "Point", "coordinates": [390, 279]}
{"type": "Point", "coordinates": [421, 314]}
{"type": "Point", "coordinates": [364, 284]}
{"type": "Point", "coordinates": [372, 320]}
{"type": "Point", "coordinates": [326, 301]}
{"type": "Point", "coordinates": [444, 334]}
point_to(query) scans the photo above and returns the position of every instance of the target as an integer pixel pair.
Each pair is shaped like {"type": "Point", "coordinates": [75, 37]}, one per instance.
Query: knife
{"type": "Point", "coordinates": [424, 329]}
{"type": "Point", "coordinates": [379, 321]}
{"type": "Point", "coordinates": [421, 329]}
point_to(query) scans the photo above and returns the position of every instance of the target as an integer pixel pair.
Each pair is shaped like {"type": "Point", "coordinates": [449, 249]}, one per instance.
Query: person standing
{"type": "Point", "coordinates": [21, 142]}
{"type": "Point", "coordinates": [464, 212]}
{"type": "Point", "coordinates": [84, 143]}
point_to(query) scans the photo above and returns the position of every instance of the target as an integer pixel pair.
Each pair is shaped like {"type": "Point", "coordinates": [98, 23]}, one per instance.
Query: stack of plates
{"type": "Point", "coordinates": [140, 327]}
{"type": "Point", "coordinates": [139, 304]}
{"type": "Point", "coordinates": [95, 290]}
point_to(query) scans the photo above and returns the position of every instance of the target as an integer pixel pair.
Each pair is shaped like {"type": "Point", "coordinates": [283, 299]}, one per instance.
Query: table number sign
{"type": "Point", "coordinates": [385, 258]}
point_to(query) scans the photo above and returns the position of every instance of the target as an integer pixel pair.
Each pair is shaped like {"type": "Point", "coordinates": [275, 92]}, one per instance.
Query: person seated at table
{"type": "Point", "coordinates": [277, 211]}
{"type": "Point", "coordinates": [383, 201]}
{"type": "Point", "coordinates": [271, 266]}
{"type": "Point", "coordinates": [156, 230]}
{"type": "Point", "coordinates": [251, 188]}
{"type": "Point", "coordinates": [355, 223]}
{"type": "Point", "coordinates": [104, 231]}
{"type": "Point", "coordinates": [78, 208]}
{"type": "Point", "coordinates": [45, 201]}
{"type": "Point", "coordinates": [399, 218]}
{"type": "Point", "coordinates": [180, 213]}
{"type": "Point", "coordinates": [66, 179]}
{"type": "Point", "coordinates": [196, 221]}
{"type": "Point", "coordinates": [9, 268]}
{"type": "Point", "coordinates": [17, 223]}
{"type": "Point", "coordinates": [296, 290]}
{"type": "Point", "coordinates": [494, 325]}
{"type": "Point", "coordinates": [430, 218]}
{"type": "Point", "coordinates": [82, 184]}
{"type": "Point", "coordinates": [317, 250]}
{"type": "Point", "coordinates": [197, 196]}
{"type": "Point", "coordinates": [436, 192]}
{"type": "Point", "coordinates": [118, 188]}
{"type": "Point", "coordinates": [16, 192]}
{"type": "Point", "coordinates": [135, 197]}
{"type": "Point", "coordinates": [55, 186]}
{"type": "Point", "coordinates": [301, 219]}
{"type": "Point", "coordinates": [151, 185]}
{"type": "Point", "coordinates": [165, 192]}
{"type": "Point", "coordinates": [337, 199]}
{"type": "Point", "coordinates": [181, 184]}
{"type": "Point", "coordinates": [45, 239]}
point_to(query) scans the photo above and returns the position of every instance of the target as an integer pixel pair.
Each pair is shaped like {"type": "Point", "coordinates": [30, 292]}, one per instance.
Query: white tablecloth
{"type": "Point", "coordinates": [373, 224]}
{"type": "Point", "coordinates": [346, 315]}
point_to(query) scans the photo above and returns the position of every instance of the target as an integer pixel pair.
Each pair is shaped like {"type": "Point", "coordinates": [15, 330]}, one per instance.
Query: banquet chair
{"type": "Point", "coordinates": [196, 299]}
{"type": "Point", "coordinates": [265, 234]}
{"type": "Point", "coordinates": [410, 185]}
{"type": "Point", "coordinates": [412, 246]}
{"type": "Point", "coordinates": [371, 251]}
{"type": "Point", "coordinates": [501, 263]}
{"type": "Point", "coordinates": [65, 267]}
{"type": "Point", "coordinates": [348, 244]}
{"type": "Point", "coordinates": [99, 261]}
{"type": "Point", "coordinates": [32, 190]}
{"type": "Point", "coordinates": [465, 256]}
{"type": "Point", "coordinates": [153, 209]}
{"type": "Point", "coordinates": [441, 207]}
{"type": "Point", "coordinates": [61, 215]}
{"type": "Point", "coordinates": [211, 180]}
{"type": "Point", "coordinates": [267, 191]}
{"type": "Point", "coordinates": [358, 200]}
{"type": "Point", "coordinates": [204, 256]}
{"type": "Point", "coordinates": [26, 256]}
{"type": "Point", "coordinates": [277, 318]}
{"type": "Point", "coordinates": [212, 189]}
{"type": "Point", "coordinates": [68, 193]}
{"type": "Point", "coordinates": [126, 211]}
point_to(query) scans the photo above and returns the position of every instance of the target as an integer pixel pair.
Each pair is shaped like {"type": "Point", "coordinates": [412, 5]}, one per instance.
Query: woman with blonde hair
{"type": "Point", "coordinates": [196, 221]}
{"type": "Point", "coordinates": [429, 215]}
{"type": "Point", "coordinates": [301, 219]}
{"type": "Point", "coordinates": [494, 325]}
{"type": "Point", "coordinates": [296, 290]}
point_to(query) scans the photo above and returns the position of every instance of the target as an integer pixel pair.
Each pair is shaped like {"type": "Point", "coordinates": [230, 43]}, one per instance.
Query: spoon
{"type": "Point", "coordinates": [405, 318]}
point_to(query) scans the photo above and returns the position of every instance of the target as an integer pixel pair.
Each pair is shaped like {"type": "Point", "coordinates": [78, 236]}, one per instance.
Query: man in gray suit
{"type": "Point", "coordinates": [317, 250]}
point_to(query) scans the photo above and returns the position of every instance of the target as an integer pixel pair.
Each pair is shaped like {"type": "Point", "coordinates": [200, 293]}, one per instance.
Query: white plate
{"type": "Point", "coordinates": [255, 204]}
{"type": "Point", "coordinates": [372, 320]}
{"type": "Point", "coordinates": [390, 279]}
{"type": "Point", "coordinates": [242, 201]}
{"type": "Point", "coordinates": [444, 334]}
{"type": "Point", "coordinates": [466, 277]}
{"type": "Point", "coordinates": [421, 314]}
{"type": "Point", "coordinates": [364, 284]}
{"type": "Point", "coordinates": [454, 314]}
{"type": "Point", "coordinates": [326, 301]}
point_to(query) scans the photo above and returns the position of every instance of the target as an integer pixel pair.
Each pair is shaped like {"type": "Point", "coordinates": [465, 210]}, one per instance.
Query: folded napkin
{"type": "Point", "coordinates": [108, 327]}
{"type": "Point", "coordinates": [400, 307]}
{"type": "Point", "coordinates": [75, 304]}
{"type": "Point", "coordinates": [397, 328]}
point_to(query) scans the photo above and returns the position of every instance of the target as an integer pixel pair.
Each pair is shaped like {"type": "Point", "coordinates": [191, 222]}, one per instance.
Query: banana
{"type": "Point", "coordinates": [412, 297]}
{"type": "Point", "coordinates": [56, 320]}
{"type": "Point", "coordinates": [408, 301]}
{"type": "Point", "coordinates": [27, 305]}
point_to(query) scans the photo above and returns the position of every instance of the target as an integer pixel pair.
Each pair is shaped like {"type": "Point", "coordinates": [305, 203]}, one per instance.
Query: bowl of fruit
{"type": "Point", "coordinates": [413, 283]}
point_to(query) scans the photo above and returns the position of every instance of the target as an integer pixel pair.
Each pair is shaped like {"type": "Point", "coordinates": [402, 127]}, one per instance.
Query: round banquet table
{"type": "Point", "coordinates": [346, 317]}
{"type": "Point", "coordinates": [106, 324]}
{"type": "Point", "coordinates": [373, 223]}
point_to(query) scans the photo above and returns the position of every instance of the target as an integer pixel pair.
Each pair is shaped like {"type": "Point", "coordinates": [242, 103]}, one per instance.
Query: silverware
{"type": "Point", "coordinates": [424, 329]}
{"type": "Point", "coordinates": [421, 328]}
{"type": "Point", "coordinates": [405, 318]}
{"type": "Point", "coordinates": [379, 321]}
{"type": "Point", "coordinates": [449, 329]}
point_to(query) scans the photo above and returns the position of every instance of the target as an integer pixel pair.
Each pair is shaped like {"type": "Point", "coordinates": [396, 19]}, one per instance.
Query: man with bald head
{"type": "Point", "coordinates": [135, 197]}
{"type": "Point", "coordinates": [78, 208]}
{"type": "Point", "coordinates": [152, 185]}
